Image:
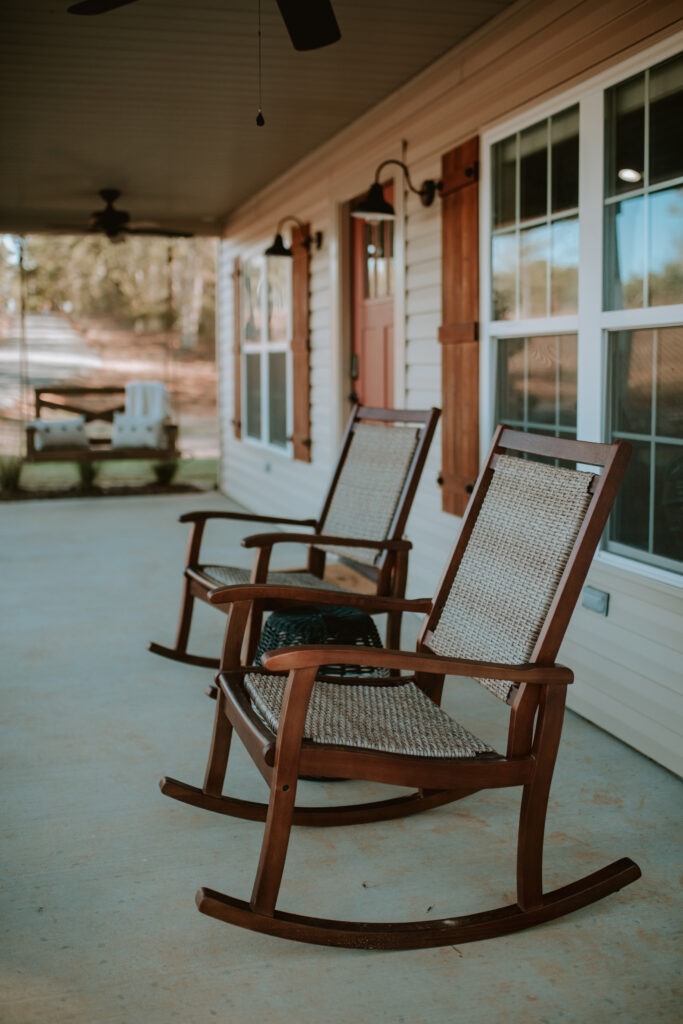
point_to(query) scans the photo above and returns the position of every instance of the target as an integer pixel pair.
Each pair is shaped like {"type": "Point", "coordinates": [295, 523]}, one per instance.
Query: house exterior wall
{"type": "Point", "coordinates": [627, 665]}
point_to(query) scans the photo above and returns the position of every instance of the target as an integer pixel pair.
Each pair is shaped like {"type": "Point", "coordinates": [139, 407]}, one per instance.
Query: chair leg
{"type": "Point", "coordinates": [185, 620]}
{"type": "Point", "coordinates": [274, 847]}
{"type": "Point", "coordinates": [535, 801]}
{"type": "Point", "coordinates": [220, 749]}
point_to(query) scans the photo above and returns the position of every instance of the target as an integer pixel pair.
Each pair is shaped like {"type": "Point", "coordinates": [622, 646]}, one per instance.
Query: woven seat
{"type": "Point", "coordinates": [230, 575]}
{"type": "Point", "coordinates": [394, 719]}
{"type": "Point", "coordinates": [498, 616]}
{"type": "Point", "coordinates": [363, 519]}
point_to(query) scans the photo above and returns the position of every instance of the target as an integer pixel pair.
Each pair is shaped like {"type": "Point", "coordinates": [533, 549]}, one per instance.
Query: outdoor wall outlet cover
{"type": "Point", "coordinates": [595, 600]}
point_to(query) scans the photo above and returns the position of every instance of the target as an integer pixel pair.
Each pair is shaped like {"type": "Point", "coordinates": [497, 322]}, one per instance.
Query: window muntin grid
{"type": "Point", "coordinates": [535, 199]}
{"type": "Point", "coordinates": [645, 387]}
{"type": "Point", "coordinates": [266, 325]}
{"type": "Point", "coordinates": [643, 234]}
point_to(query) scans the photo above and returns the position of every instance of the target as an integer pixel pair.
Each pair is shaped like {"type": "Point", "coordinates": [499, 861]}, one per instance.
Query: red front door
{"type": "Point", "coordinates": [372, 364]}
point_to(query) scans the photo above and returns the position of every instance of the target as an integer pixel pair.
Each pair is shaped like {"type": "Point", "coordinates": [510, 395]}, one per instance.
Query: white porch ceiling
{"type": "Point", "coordinates": [159, 100]}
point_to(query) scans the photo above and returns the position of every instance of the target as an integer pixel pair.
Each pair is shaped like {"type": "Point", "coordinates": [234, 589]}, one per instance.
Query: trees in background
{"type": "Point", "coordinates": [147, 283]}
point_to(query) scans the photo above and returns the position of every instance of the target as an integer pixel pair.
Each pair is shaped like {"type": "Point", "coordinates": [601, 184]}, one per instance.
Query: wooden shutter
{"type": "Point", "coordinates": [301, 384]}
{"type": "Point", "coordinates": [237, 352]}
{"type": "Point", "coordinates": [459, 331]}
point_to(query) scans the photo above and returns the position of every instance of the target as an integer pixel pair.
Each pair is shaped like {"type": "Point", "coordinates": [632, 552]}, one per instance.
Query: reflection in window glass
{"type": "Point", "coordinates": [277, 397]}
{"type": "Point", "coordinates": [625, 254]}
{"type": "Point", "coordinates": [666, 137]}
{"type": "Point", "coordinates": [253, 362]}
{"type": "Point", "coordinates": [668, 503]}
{"type": "Point", "coordinates": [536, 383]}
{"type": "Point", "coordinates": [533, 171]}
{"type": "Point", "coordinates": [665, 255]}
{"type": "Point", "coordinates": [533, 271]}
{"type": "Point", "coordinates": [564, 136]}
{"type": "Point", "coordinates": [504, 182]}
{"type": "Point", "coordinates": [251, 300]}
{"type": "Point", "coordinates": [644, 271]}
{"type": "Point", "coordinates": [535, 177]}
{"type": "Point", "coordinates": [645, 385]}
{"type": "Point", "coordinates": [564, 266]}
{"type": "Point", "coordinates": [670, 383]}
{"type": "Point", "coordinates": [504, 249]}
{"type": "Point", "coordinates": [625, 136]}
{"type": "Point", "coordinates": [279, 272]}
{"type": "Point", "coordinates": [631, 371]}
{"type": "Point", "coordinates": [630, 519]}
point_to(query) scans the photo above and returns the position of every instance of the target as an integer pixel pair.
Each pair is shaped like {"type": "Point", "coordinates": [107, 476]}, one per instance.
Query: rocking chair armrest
{"type": "Point", "coordinates": [311, 655]}
{"type": "Point", "coordinates": [262, 540]}
{"type": "Point", "coordinates": [247, 517]}
{"type": "Point", "coordinates": [370, 603]}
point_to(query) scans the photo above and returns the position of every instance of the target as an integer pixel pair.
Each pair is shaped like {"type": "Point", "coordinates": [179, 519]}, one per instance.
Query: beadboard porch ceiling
{"type": "Point", "coordinates": [159, 100]}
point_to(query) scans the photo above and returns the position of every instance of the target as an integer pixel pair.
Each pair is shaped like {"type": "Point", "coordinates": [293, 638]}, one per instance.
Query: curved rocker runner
{"type": "Point", "coordinates": [526, 544]}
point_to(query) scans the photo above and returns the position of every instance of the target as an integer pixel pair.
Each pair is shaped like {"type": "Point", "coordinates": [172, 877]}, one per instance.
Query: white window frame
{"type": "Point", "coordinates": [264, 348]}
{"type": "Point", "coordinates": [591, 324]}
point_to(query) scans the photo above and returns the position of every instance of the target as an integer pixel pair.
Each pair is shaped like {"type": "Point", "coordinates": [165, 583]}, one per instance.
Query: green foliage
{"type": "Point", "coordinates": [136, 282]}
{"type": "Point", "coordinates": [165, 471]}
{"type": "Point", "coordinates": [88, 471]}
{"type": "Point", "coordinates": [10, 472]}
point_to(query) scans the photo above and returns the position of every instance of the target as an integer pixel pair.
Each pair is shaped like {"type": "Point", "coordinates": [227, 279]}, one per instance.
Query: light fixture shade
{"type": "Point", "coordinates": [278, 248]}
{"type": "Point", "coordinates": [374, 206]}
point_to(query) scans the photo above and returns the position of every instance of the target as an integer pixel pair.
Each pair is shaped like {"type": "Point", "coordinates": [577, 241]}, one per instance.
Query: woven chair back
{"type": "Point", "coordinates": [370, 486]}
{"type": "Point", "coordinates": [504, 587]}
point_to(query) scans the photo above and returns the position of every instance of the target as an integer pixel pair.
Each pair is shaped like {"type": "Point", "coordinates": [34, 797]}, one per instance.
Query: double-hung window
{"type": "Point", "coordinates": [583, 287]}
{"type": "Point", "coordinates": [266, 335]}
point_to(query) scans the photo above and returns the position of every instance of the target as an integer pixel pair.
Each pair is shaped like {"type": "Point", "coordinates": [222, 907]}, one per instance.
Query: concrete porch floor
{"type": "Point", "coordinates": [99, 870]}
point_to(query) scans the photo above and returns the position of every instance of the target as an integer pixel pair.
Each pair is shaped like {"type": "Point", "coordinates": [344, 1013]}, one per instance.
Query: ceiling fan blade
{"type": "Point", "coordinates": [97, 6]}
{"type": "Point", "coordinates": [310, 23]}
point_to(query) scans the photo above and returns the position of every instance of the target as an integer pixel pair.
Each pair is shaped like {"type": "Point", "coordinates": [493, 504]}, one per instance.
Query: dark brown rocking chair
{"type": "Point", "coordinates": [499, 616]}
{"type": "Point", "coordinates": [363, 518]}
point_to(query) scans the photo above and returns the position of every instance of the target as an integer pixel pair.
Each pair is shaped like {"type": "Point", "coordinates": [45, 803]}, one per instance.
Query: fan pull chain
{"type": "Point", "coordinates": [260, 119]}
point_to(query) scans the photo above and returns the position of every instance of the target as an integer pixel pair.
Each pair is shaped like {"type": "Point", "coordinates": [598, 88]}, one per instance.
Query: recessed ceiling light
{"type": "Point", "coordinates": [629, 174]}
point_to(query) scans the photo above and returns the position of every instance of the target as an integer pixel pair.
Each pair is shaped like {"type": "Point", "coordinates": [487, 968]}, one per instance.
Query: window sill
{"type": "Point", "coordinates": [649, 572]}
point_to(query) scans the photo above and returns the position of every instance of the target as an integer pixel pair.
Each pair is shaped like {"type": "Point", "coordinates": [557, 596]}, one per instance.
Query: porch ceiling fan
{"type": "Point", "coordinates": [310, 23]}
{"type": "Point", "coordinates": [116, 223]}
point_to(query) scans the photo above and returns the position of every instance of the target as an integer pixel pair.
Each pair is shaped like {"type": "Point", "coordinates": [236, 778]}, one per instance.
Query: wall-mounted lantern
{"type": "Point", "coordinates": [278, 248]}
{"type": "Point", "coordinates": [375, 206]}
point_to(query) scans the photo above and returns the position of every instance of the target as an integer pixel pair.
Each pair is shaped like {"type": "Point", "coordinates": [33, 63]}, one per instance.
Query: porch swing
{"type": "Point", "coordinates": [139, 414]}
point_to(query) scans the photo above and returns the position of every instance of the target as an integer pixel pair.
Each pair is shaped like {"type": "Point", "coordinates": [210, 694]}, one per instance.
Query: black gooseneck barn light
{"type": "Point", "coordinates": [278, 248]}
{"type": "Point", "coordinates": [375, 206]}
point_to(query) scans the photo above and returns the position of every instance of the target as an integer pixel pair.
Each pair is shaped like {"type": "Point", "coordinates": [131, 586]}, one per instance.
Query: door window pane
{"type": "Point", "coordinates": [625, 254]}
{"type": "Point", "coordinates": [253, 362]}
{"type": "Point", "coordinates": [666, 115]}
{"type": "Point", "coordinates": [665, 256]}
{"type": "Point", "coordinates": [277, 397]}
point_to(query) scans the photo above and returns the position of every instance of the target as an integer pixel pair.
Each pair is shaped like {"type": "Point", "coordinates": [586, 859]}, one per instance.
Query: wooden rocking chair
{"type": "Point", "coordinates": [499, 616]}
{"type": "Point", "coordinates": [363, 517]}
